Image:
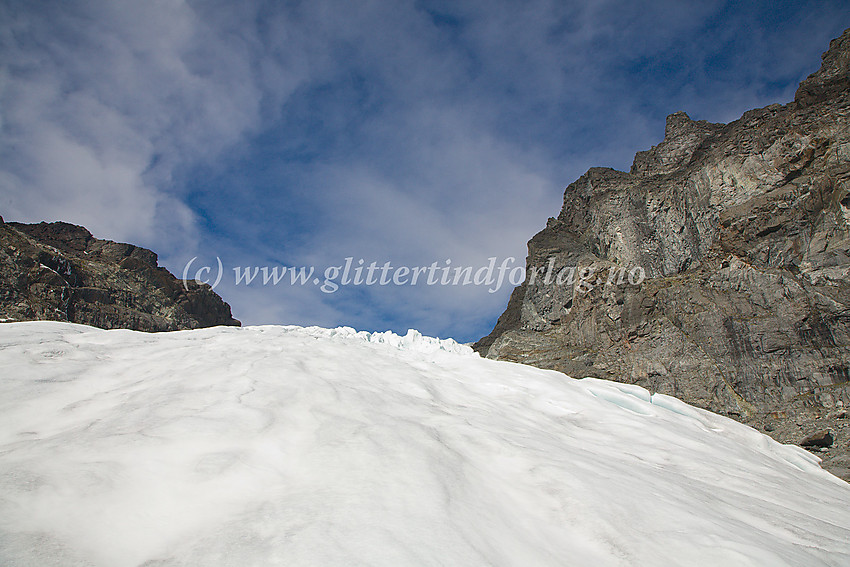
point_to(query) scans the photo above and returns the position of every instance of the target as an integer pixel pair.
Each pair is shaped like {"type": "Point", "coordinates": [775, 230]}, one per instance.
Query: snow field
{"type": "Point", "coordinates": [306, 446]}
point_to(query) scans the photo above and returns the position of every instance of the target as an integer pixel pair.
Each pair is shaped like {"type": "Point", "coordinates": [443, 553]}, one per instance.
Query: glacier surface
{"type": "Point", "coordinates": [305, 446]}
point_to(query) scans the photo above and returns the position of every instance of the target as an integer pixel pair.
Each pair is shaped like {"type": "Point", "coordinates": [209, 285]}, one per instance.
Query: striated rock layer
{"type": "Point", "coordinates": [717, 270]}
{"type": "Point", "coordinates": [59, 271]}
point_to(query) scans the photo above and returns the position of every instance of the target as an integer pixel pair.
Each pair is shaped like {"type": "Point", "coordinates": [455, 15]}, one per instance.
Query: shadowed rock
{"type": "Point", "coordinates": [823, 438]}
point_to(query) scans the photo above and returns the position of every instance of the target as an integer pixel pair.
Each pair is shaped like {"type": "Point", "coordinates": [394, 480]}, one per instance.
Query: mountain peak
{"type": "Point", "coordinates": [833, 75]}
{"type": "Point", "coordinates": [59, 271]}
{"type": "Point", "coordinates": [742, 231]}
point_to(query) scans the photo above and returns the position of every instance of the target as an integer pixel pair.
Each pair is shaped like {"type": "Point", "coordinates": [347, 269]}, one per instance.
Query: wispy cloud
{"type": "Point", "coordinates": [411, 132]}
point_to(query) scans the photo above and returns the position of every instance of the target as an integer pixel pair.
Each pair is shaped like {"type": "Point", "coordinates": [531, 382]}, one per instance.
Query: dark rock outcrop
{"type": "Point", "coordinates": [823, 438]}
{"type": "Point", "coordinates": [60, 272]}
{"type": "Point", "coordinates": [742, 232]}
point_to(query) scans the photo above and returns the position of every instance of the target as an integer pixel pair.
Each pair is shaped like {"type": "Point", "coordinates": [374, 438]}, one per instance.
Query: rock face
{"type": "Point", "coordinates": [717, 270]}
{"type": "Point", "coordinates": [59, 271]}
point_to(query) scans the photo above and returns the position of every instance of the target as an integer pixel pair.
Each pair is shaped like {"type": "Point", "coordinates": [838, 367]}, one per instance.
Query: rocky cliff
{"type": "Point", "coordinates": [59, 271]}
{"type": "Point", "coordinates": [717, 270]}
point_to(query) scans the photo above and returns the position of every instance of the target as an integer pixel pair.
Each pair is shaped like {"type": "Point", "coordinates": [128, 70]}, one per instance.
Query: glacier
{"type": "Point", "coordinates": [305, 446]}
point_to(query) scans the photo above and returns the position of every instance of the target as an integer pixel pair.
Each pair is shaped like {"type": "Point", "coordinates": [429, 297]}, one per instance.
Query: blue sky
{"type": "Point", "coordinates": [411, 132]}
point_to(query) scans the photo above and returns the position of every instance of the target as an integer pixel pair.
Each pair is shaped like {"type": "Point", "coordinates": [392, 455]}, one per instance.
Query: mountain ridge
{"type": "Point", "coordinates": [743, 233]}
{"type": "Point", "coordinates": [60, 271]}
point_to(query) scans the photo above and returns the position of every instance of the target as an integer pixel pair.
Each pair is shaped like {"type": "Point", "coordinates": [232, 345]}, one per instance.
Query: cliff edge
{"type": "Point", "coordinates": [716, 270]}
{"type": "Point", "coordinates": [59, 271]}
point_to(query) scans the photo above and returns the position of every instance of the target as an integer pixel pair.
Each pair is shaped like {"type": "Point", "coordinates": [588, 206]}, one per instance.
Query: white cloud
{"type": "Point", "coordinates": [104, 102]}
{"type": "Point", "coordinates": [403, 131]}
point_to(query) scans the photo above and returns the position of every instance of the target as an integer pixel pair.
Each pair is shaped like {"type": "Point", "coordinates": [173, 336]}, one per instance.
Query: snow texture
{"type": "Point", "coordinates": [269, 446]}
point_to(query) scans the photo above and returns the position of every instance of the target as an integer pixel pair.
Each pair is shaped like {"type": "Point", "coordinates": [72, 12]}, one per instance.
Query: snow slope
{"type": "Point", "coordinates": [289, 446]}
